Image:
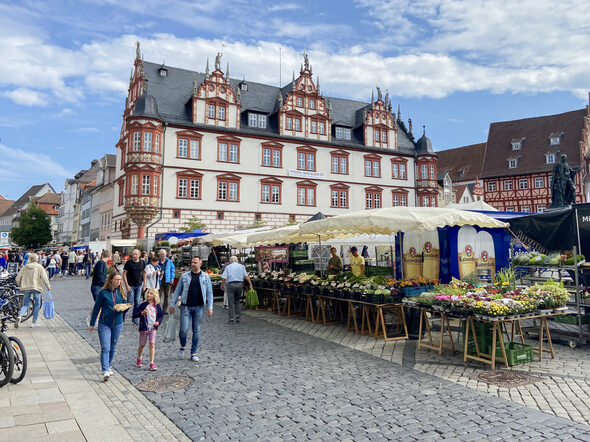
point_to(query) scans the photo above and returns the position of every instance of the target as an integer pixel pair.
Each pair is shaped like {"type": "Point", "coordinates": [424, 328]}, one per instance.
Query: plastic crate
{"type": "Point", "coordinates": [571, 319]}
{"type": "Point", "coordinates": [378, 271]}
{"type": "Point", "coordinates": [408, 292]}
{"type": "Point", "coordinates": [516, 353]}
{"type": "Point", "coordinates": [483, 331]}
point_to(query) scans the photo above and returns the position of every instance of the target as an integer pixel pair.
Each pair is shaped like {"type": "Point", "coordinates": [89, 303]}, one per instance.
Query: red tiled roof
{"type": "Point", "coordinates": [468, 159]}
{"type": "Point", "coordinates": [5, 205]}
{"type": "Point", "coordinates": [535, 133]}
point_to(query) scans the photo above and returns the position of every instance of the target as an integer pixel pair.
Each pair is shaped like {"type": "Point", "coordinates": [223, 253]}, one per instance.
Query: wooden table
{"type": "Point", "coordinates": [445, 328]}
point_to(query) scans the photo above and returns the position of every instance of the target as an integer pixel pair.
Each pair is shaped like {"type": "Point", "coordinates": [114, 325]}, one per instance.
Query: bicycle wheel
{"type": "Point", "coordinates": [31, 308]}
{"type": "Point", "coordinates": [6, 360]}
{"type": "Point", "coordinates": [20, 360]}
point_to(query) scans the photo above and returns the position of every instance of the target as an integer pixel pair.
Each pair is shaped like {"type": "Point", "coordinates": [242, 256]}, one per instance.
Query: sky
{"type": "Point", "coordinates": [453, 66]}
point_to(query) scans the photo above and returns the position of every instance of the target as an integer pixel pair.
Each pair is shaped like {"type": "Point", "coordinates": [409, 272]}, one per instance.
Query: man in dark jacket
{"type": "Point", "coordinates": [99, 275]}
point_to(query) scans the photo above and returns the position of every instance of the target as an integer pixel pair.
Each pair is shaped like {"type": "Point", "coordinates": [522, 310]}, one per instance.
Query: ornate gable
{"type": "Point", "coordinates": [305, 112]}
{"type": "Point", "coordinates": [214, 102]}
{"type": "Point", "coordinates": [379, 127]}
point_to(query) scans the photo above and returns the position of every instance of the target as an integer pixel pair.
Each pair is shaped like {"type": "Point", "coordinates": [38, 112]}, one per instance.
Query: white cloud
{"type": "Point", "coordinates": [86, 130]}
{"type": "Point", "coordinates": [26, 97]}
{"type": "Point", "coordinates": [37, 166]}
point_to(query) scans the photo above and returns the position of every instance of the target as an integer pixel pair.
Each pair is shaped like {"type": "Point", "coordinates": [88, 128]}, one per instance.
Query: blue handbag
{"type": "Point", "coordinates": [48, 310]}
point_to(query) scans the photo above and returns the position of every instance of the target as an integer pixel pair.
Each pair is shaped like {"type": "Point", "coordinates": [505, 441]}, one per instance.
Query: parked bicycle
{"type": "Point", "coordinates": [13, 356]}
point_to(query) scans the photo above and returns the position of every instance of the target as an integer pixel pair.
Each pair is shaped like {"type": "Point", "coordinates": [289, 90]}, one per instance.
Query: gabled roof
{"type": "Point", "coordinates": [536, 133]}
{"type": "Point", "coordinates": [48, 198]}
{"type": "Point", "coordinates": [173, 92]}
{"type": "Point", "coordinates": [25, 198]}
{"type": "Point", "coordinates": [5, 205]}
{"type": "Point", "coordinates": [466, 159]}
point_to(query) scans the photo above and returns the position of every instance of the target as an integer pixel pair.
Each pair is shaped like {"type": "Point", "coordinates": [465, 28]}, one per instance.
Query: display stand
{"type": "Point", "coordinates": [445, 328]}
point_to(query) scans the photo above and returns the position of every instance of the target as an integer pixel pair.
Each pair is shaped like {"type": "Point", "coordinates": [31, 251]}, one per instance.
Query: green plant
{"type": "Point", "coordinates": [471, 279]}
{"type": "Point", "coordinates": [192, 224]}
{"type": "Point", "coordinates": [506, 277]}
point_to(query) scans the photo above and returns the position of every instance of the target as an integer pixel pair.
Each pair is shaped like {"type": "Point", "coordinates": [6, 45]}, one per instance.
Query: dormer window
{"type": "Point", "coordinates": [554, 141]}
{"type": "Point", "coordinates": [550, 158]}
{"type": "Point", "coordinates": [163, 71]}
{"type": "Point", "coordinates": [256, 120]}
{"type": "Point", "coordinates": [342, 133]}
{"type": "Point", "coordinates": [461, 172]}
{"type": "Point", "coordinates": [512, 164]}
{"type": "Point", "coordinates": [516, 145]}
{"type": "Point", "coordinates": [244, 86]}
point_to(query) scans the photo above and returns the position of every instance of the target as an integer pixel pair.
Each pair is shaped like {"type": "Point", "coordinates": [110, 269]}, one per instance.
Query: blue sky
{"type": "Point", "coordinates": [453, 66]}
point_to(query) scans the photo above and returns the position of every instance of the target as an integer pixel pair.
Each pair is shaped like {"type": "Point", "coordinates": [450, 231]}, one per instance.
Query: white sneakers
{"type": "Point", "coordinates": [17, 322]}
{"type": "Point", "coordinates": [106, 375]}
{"type": "Point", "coordinates": [35, 325]}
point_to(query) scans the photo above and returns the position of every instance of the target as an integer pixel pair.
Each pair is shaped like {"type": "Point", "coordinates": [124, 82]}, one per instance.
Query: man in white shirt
{"type": "Point", "coordinates": [233, 277]}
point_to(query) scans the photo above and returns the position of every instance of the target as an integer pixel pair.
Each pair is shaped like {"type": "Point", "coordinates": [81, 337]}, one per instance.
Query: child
{"type": "Point", "coordinates": [150, 316]}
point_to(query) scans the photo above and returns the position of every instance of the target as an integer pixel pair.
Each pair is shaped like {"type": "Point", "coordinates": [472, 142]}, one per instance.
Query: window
{"type": "Point", "coordinates": [271, 193]}
{"type": "Point", "coordinates": [136, 141]}
{"type": "Point", "coordinates": [297, 124]}
{"type": "Point", "coordinates": [372, 167]}
{"type": "Point", "coordinates": [176, 214]}
{"type": "Point", "coordinates": [377, 135]}
{"type": "Point", "coordinates": [339, 132]}
{"type": "Point", "coordinates": [182, 147]}
{"type": "Point", "coordinates": [227, 153]}
{"type": "Point", "coordinates": [432, 201]}
{"type": "Point", "coordinates": [194, 188]}
{"type": "Point", "coordinates": [404, 200]}
{"type": "Point", "coordinates": [395, 200]}
{"type": "Point", "coordinates": [271, 156]}
{"type": "Point", "coordinates": [145, 184]}
{"type": "Point", "coordinates": [195, 151]}
{"type": "Point", "coordinates": [233, 153]}
{"type": "Point", "coordinates": [134, 185]}
{"type": "Point", "coordinates": [512, 164]}
{"type": "Point", "coordinates": [342, 133]}
{"type": "Point", "coordinates": [262, 121]}
{"type": "Point", "coordinates": [539, 182]}
{"type": "Point", "coordinates": [550, 158]}
{"type": "Point", "coordinates": [395, 170]}
{"type": "Point", "coordinates": [211, 109]}
{"type": "Point", "coordinates": [541, 208]}
{"type": "Point", "coordinates": [155, 185]}
{"type": "Point", "coordinates": [221, 113]}
{"type": "Point", "coordinates": [157, 144]}
{"type": "Point", "coordinates": [554, 141]}
{"type": "Point", "coordinates": [402, 171]}
{"type": "Point", "coordinates": [516, 145]}
{"type": "Point", "coordinates": [523, 183]}
{"type": "Point", "coordinates": [425, 200]}
{"type": "Point", "coordinates": [373, 198]}
{"type": "Point", "coordinates": [339, 196]}
{"type": "Point", "coordinates": [228, 188]}
{"type": "Point", "coordinates": [182, 187]}
{"type": "Point", "coordinates": [508, 185]}
{"type": "Point", "coordinates": [314, 127]}
{"type": "Point", "coordinates": [432, 172]}
{"type": "Point", "coordinates": [258, 216]}
{"type": "Point", "coordinates": [311, 103]}
{"type": "Point", "coordinates": [244, 87]}
{"type": "Point", "coordinates": [289, 123]}
{"type": "Point", "coordinates": [299, 101]}
{"type": "Point", "coordinates": [491, 186]}
{"type": "Point", "coordinates": [510, 209]}
{"type": "Point", "coordinates": [322, 128]}
{"type": "Point", "coordinates": [256, 120]}
{"type": "Point", "coordinates": [340, 163]}
{"type": "Point", "coordinates": [121, 193]}
{"type": "Point", "coordinates": [306, 193]}
{"type": "Point", "coordinates": [306, 158]}
{"type": "Point", "coordinates": [220, 214]}
{"type": "Point", "coordinates": [424, 171]}
{"type": "Point", "coordinates": [384, 136]}
{"type": "Point", "coordinates": [147, 141]}
{"type": "Point", "coordinates": [525, 209]}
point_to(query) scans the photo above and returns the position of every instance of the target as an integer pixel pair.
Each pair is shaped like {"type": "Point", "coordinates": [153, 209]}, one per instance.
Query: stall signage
{"type": "Point", "coordinates": [271, 254]}
{"type": "Point", "coordinates": [12, 268]}
{"type": "Point", "coordinates": [306, 174]}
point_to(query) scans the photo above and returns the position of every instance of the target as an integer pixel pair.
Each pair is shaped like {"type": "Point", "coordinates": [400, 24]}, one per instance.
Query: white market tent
{"type": "Point", "coordinates": [282, 235]}
{"type": "Point", "coordinates": [474, 205]}
{"type": "Point", "coordinates": [237, 239]}
{"type": "Point", "coordinates": [397, 219]}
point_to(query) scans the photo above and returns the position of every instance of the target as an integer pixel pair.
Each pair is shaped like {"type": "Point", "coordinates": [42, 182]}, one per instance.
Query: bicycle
{"type": "Point", "coordinates": [19, 356]}
{"type": "Point", "coordinates": [6, 360]}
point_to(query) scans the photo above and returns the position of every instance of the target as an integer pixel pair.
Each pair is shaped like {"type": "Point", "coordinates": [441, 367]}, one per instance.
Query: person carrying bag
{"type": "Point", "coordinates": [48, 307]}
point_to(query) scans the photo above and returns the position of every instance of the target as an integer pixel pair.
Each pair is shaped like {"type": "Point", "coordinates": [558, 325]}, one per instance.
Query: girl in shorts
{"type": "Point", "coordinates": [150, 316]}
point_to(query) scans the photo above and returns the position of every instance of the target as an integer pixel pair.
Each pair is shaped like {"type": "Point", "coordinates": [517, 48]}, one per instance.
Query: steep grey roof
{"type": "Point", "coordinates": [173, 92]}
{"type": "Point", "coordinates": [19, 203]}
{"type": "Point", "coordinates": [424, 146]}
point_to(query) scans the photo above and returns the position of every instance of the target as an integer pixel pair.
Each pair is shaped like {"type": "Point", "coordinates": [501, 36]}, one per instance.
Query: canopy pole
{"type": "Point", "coordinates": [320, 252]}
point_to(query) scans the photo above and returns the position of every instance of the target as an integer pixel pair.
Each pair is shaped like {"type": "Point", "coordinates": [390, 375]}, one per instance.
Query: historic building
{"type": "Point", "coordinates": [232, 152]}
{"type": "Point", "coordinates": [515, 165]}
{"type": "Point", "coordinates": [462, 167]}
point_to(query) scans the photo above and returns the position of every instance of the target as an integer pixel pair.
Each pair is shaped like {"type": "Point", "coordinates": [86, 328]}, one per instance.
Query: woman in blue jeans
{"type": "Point", "coordinates": [110, 322]}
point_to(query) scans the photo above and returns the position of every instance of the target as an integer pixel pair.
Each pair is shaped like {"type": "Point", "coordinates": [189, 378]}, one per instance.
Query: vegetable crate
{"type": "Point", "coordinates": [416, 291]}
{"type": "Point", "coordinates": [483, 331]}
{"type": "Point", "coordinates": [378, 271]}
{"type": "Point", "coordinates": [516, 353]}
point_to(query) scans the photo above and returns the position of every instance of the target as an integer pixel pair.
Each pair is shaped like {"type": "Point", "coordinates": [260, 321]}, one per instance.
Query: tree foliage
{"type": "Point", "coordinates": [192, 224]}
{"type": "Point", "coordinates": [34, 228]}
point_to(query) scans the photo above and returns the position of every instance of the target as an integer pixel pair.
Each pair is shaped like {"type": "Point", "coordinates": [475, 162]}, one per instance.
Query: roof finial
{"type": "Point", "coordinates": [218, 61]}
{"type": "Point", "coordinates": [410, 127]}
{"type": "Point", "coordinates": [195, 86]}
{"type": "Point", "coordinates": [293, 81]}
{"type": "Point", "coordinates": [306, 62]}
{"type": "Point", "coordinates": [399, 112]}
{"type": "Point", "coordinates": [317, 84]}
{"type": "Point", "coordinates": [227, 71]}
{"type": "Point", "coordinates": [372, 96]}
{"type": "Point", "coordinates": [423, 130]}
{"type": "Point", "coordinates": [137, 51]}
{"type": "Point", "coordinates": [379, 95]}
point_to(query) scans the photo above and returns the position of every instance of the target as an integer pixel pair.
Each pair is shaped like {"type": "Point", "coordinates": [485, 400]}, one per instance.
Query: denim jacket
{"type": "Point", "coordinates": [182, 289]}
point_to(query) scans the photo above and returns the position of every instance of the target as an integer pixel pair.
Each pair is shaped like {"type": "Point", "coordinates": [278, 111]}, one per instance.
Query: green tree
{"type": "Point", "coordinates": [255, 225]}
{"type": "Point", "coordinates": [34, 228]}
{"type": "Point", "coordinates": [192, 224]}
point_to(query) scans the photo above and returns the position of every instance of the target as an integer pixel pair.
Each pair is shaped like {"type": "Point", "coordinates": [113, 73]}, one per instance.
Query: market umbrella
{"type": "Point", "coordinates": [237, 239]}
{"type": "Point", "coordinates": [397, 219]}
{"type": "Point", "coordinates": [282, 235]}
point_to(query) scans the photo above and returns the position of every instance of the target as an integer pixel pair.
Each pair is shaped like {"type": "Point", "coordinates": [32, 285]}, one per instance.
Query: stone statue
{"type": "Point", "coordinates": [306, 61]}
{"type": "Point", "coordinates": [218, 61]}
{"type": "Point", "coordinates": [410, 126]}
{"type": "Point", "coordinates": [137, 51]}
{"type": "Point", "coordinates": [379, 95]}
{"type": "Point", "coordinates": [563, 189]}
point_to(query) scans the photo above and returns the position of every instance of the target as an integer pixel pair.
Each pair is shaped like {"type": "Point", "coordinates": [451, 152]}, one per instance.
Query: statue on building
{"type": "Point", "coordinates": [410, 127]}
{"type": "Point", "coordinates": [218, 61]}
{"type": "Point", "coordinates": [379, 95]}
{"type": "Point", "coordinates": [563, 189]}
{"type": "Point", "coordinates": [305, 61]}
{"type": "Point", "coordinates": [137, 51]}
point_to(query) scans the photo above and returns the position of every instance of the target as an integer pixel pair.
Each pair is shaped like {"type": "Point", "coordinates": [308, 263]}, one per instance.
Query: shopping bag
{"type": "Point", "coordinates": [48, 310]}
{"type": "Point", "coordinates": [252, 298]}
{"type": "Point", "coordinates": [170, 329]}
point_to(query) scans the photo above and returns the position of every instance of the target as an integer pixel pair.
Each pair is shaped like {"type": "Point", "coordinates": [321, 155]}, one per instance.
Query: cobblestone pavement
{"type": "Point", "coordinates": [260, 380]}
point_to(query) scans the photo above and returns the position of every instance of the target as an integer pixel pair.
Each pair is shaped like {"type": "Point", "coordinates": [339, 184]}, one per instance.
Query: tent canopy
{"type": "Point", "coordinates": [282, 235]}
{"type": "Point", "coordinates": [397, 219]}
{"type": "Point", "coordinates": [474, 205]}
{"type": "Point", "coordinates": [237, 239]}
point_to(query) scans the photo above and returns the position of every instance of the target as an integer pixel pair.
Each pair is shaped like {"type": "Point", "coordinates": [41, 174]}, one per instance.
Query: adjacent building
{"type": "Point", "coordinates": [515, 165]}
{"type": "Point", "coordinates": [460, 168]}
{"type": "Point", "coordinates": [232, 152]}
